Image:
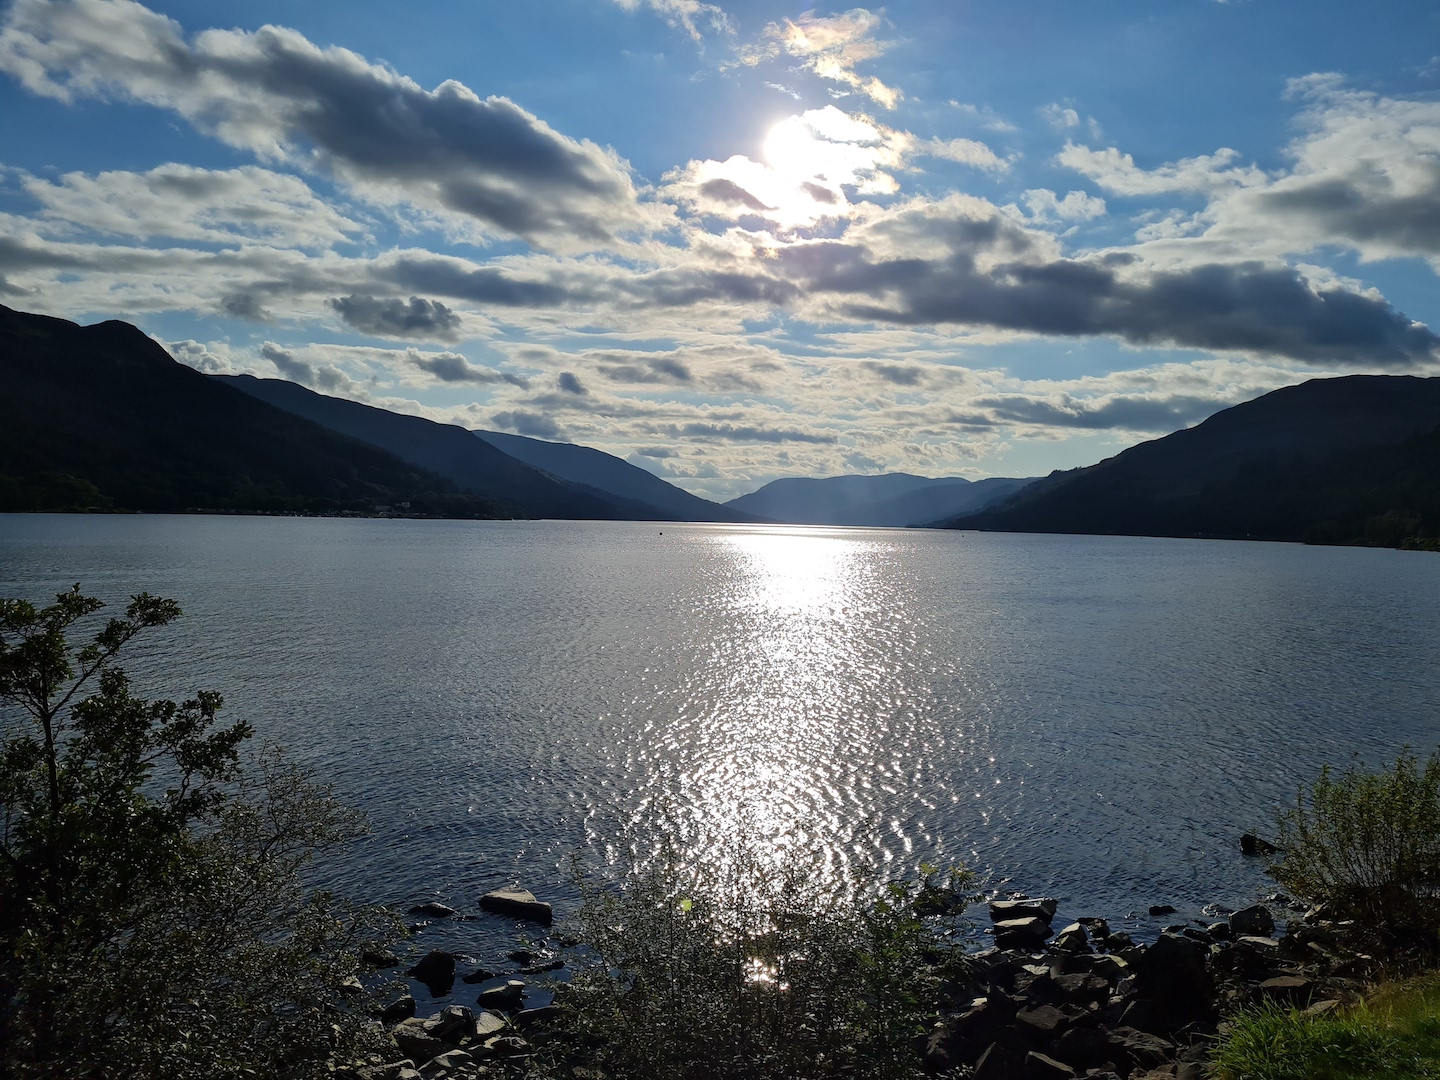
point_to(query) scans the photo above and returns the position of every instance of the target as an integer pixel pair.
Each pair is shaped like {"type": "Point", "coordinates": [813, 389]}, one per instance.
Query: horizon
{"type": "Point", "coordinates": [730, 243]}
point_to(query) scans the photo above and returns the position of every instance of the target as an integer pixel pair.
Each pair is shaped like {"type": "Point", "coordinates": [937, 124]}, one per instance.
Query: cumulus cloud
{"type": "Point", "coordinates": [326, 377]}
{"type": "Point", "coordinates": [831, 47]}
{"type": "Point", "coordinates": [1044, 205]}
{"type": "Point", "coordinates": [965, 151]}
{"type": "Point", "coordinates": [394, 318]}
{"type": "Point", "coordinates": [532, 424]}
{"type": "Point", "coordinates": [570, 383]}
{"type": "Point", "coordinates": [1059, 117]}
{"type": "Point", "coordinates": [187, 203]}
{"type": "Point", "coordinates": [453, 368]}
{"type": "Point", "coordinates": [1118, 173]}
{"type": "Point", "coordinates": [276, 94]}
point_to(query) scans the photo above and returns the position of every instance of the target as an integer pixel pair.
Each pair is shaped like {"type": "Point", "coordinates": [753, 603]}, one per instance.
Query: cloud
{"type": "Point", "coordinates": [533, 425]}
{"type": "Point", "coordinates": [657, 452]}
{"type": "Point", "coordinates": [1059, 117]}
{"type": "Point", "coordinates": [1118, 173]}
{"type": "Point", "coordinates": [570, 383]}
{"type": "Point", "coordinates": [326, 377]}
{"type": "Point", "coordinates": [730, 194]}
{"type": "Point", "coordinates": [1045, 205]}
{"type": "Point", "coordinates": [964, 151]}
{"type": "Point", "coordinates": [686, 14]}
{"type": "Point", "coordinates": [394, 318]}
{"type": "Point", "coordinates": [246, 204]}
{"type": "Point", "coordinates": [749, 433]}
{"type": "Point", "coordinates": [274, 93]}
{"type": "Point", "coordinates": [830, 47]}
{"type": "Point", "coordinates": [454, 368]}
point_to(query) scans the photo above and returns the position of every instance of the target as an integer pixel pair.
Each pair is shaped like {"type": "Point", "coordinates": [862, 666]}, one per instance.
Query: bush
{"type": "Point", "coordinates": [756, 976]}
{"type": "Point", "coordinates": [153, 921]}
{"type": "Point", "coordinates": [1367, 844]}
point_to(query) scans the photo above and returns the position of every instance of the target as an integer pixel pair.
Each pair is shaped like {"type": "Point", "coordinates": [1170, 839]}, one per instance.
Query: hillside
{"type": "Point", "coordinates": [605, 472]}
{"type": "Point", "coordinates": [451, 451]}
{"type": "Point", "coordinates": [1348, 460]}
{"type": "Point", "coordinates": [101, 417]}
{"type": "Point", "coordinates": [891, 499]}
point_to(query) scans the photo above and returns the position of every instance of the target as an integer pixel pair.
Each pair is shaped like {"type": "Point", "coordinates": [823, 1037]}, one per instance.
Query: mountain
{"type": "Point", "coordinates": [453, 452]}
{"type": "Point", "coordinates": [605, 472]}
{"type": "Point", "coordinates": [891, 499]}
{"type": "Point", "coordinates": [1347, 460]}
{"type": "Point", "coordinates": [101, 417]}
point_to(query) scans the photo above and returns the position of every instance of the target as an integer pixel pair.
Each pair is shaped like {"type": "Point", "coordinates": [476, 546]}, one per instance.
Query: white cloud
{"type": "Point", "coordinates": [274, 93]}
{"type": "Point", "coordinates": [831, 47]}
{"type": "Point", "coordinates": [687, 14]}
{"type": "Point", "coordinates": [1059, 117]}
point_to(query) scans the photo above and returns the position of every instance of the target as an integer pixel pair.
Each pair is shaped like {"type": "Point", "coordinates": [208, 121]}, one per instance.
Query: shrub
{"type": "Point", "coordinates": [153, 920]}
{"type": "Point", "coordinates": [1367, 844]}
{"type": "Point", "coordinates": [757, 975]}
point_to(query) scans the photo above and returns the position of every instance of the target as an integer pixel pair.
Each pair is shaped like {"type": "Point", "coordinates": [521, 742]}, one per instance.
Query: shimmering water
{"type": "Point", "coordinates": [1094, 718]}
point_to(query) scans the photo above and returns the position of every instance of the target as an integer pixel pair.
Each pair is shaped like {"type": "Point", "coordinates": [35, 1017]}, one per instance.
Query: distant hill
{"type": "Point", "coordinates": [453, 452]}
{"type": "Point", "coordinates": [890, 499]}
{"type": "Point", "coordinates": [607, 473]}
{"type": "Point", "coordinates": [1348, 460]}
{"type": "Point", "coordinates": [101, 417]}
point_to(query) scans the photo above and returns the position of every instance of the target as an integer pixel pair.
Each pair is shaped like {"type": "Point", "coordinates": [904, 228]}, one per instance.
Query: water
{"type": "Point", "coordinates": [1092, 718]}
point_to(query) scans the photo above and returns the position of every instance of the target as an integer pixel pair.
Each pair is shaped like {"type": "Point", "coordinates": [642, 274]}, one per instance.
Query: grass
{"type": "Point", "coordinates": [1394, 1035]}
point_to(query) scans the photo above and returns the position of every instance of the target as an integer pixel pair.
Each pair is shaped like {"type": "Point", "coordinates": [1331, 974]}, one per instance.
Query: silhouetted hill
{"type": "Point", "coordinates": [1348, 460]}
{"type": "Point", "coordinates": [607, 473]}
{"type": "Point", "coordinates": [101, 416]}
{"type": "Point", "coordinates": [891, 499]}
{"type": "Point", "coordinates": [452, 451]}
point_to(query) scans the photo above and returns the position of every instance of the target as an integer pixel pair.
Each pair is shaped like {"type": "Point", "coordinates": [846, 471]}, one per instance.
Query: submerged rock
{"type": "Point", "coordinates": [518, 903]}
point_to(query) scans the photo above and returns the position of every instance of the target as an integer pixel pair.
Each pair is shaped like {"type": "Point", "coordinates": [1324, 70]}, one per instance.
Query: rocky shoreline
{"type": "Point", "coordinates": [1038, 1004]}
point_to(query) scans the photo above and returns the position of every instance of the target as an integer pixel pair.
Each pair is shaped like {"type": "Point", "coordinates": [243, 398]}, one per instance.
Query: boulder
{"type": "Point", "coordinates": [415, 1040]}
{"type": "Point", "coordinates": [1023, 933]}
{"type": "Point", "coordinates": [1139, 1049]}
{"type": "Point", "coordinates": [1288, 989]}
{"type": "Point", "coordinates": [448, 1062]}
{"type": "Point", "coordinates": [1040, 1067]}
{"type": "Point", "coordinates": [1045, 1020]}
{"type": "Point", "coordinates": [453, 1024]}
{"type": "Point", "coordinates": [402, 1008]}
{"type": "Point", "coordinates": [395, 1070]}
{"type": "Point", "coordinates": [488, 1024]}
{"type": "Point", "coordinates": [1156, 910]}
{"type": "Point", "coordinates": [1250, 844]}
{"type": "Point", "coordinates": [1254, 921]}
{"type": "Point", "coordinates": [1072, 939]}
{"type": "Point", "coordinates": [440, 911]}
{"type": "Point", "coordinates": [479, 975]}
{"type": "Point", "coordinates": [436, 970]}
{"type": "Point", "coordinates": [505, 998]}
{"type": "Point", "coordinates": [518, 903]}
{"type": "Point", "coordinates": [1006, 910]}
{"type": "Point", "coordinates": [994, 1064]}
{"type": "Point", "coordinates": [544, 1014]}
{"type": "Point", "coordinates": [379, 958]}
{"type": "Point", "coordinates": [1172, 974]}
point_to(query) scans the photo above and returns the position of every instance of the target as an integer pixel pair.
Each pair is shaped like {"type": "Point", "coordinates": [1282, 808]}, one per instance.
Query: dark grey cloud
{"type": "Point", "coordinates": [749, 433]}
{"type": "Point", "coordinates": [452, 367]}
{"type": "Point", "coordinates": [288, 364]}
{"type": "Point", "coordinates": [898, 374]}
{"type": "Point", "coordinates": [641, 370]}
{"type": "Point", "coordinates": [277, 94]}
{"type": "Point", "coordinates": [535, 425]}
{"type": "Point", "coordinates": [394, 318]}
{"type": "Point", "coordinates": [570, 383]}
{"type": "Point", "coordinates": [244, 305]}
{"type": "Point", "coordinates": [1364, 210]}
{"type": "Point", "coordinates": [729, 193]}
{"type": "Point", "coordinates": [820, 193]}
{"type": "Point", "coordinates": [660, 452]}
{"type": "Point", "coordinates": [1159, 414]}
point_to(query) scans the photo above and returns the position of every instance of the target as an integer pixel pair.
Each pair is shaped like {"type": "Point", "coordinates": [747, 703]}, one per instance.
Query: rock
{"type": "Point", "coordinates": [1119, 939]}
{"type": "Point", "coordinates": [479, 975]}
{"type": "Point", "coordinates": [1289, 989]}
{"type": "Point", "coordinates": [1140, 1048]}
{"type": "Point", "coordinates": [1250, 844]}
{"type": "Point", "coordinates": [1040, 1067]}
{"type": "Point", "coordinates": [1072, 939]}
{"type": "Point", "coordinates": [1320, 1008]}
{"type": "Point", "coordinates": [1083, 1047]}
{"type": "Point", "coordinates": [1024, 933]}
{"type": "Point", "coordinates": [504, 998]}
{"type": "Point", "coordinates": [402, 1008]}
{"type": "Point", "coordinates": [541, 968]}
{"type": "Point", "coordinates": [521, 956]}
{"type": "Point", "coordinates": [1220, 931]}
{"type": "Point", "coordinates": [440, 911]}
{"type": "Point", "coordinates": [518, 903]}
{"type": "Point", "coordinates": [1172, 974]}
{"type": "Point", "coordinates": [1047, 1020]}
{"type": "Point", "coordinates": [447, 1062]}
{"type": "Point", "coordinates": [544, 1014]}
{"type": "Point", "coordinates": [994, 1064]}
{"type": "Point", "coordinates": [351, 986]}
{"type": "Point", "coordinates": [940, 900]}
{"type": "Point", "coordinates": [1254, 921]}
{"type": "Point", "coordinates": [453, 1024]}
{"type": "Point", "coordinates": [1007, 910]}
{"type": "Point", "coordinates": [1082, 989]}
{"type": "Point", "coordinates": [437, 971]}
{"type": "Point", "coordinates": [395, 1070]}
{"type": "Point", "coordinates": [379, 958]}
{"type": "Point", "coordinates": [488, 1024]}
{"type": "Point", "coordinates": [414, 1039]}
{"type": "Point", "coordinates": [1099, 928]}
{"type": "Point", "coordinates": [1156, 910]}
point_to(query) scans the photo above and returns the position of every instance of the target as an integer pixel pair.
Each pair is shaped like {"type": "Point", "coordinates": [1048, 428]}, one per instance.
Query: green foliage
{"type": "Point", "coordinates": [758, 975]}
{"type": "Point", "coordinates": [1396, 1036]}
{"type": "Point", "coordinates": [152, 917]}
{"type": "Point", "coordinates": [1367, 844]}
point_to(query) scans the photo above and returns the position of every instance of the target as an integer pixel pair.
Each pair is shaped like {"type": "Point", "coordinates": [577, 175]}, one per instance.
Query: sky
{"type": "Point", "coordinates": [736, 241]}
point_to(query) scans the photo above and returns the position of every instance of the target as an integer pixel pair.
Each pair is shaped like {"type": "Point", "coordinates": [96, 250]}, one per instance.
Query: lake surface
{"type": "Point", "coordinates": [1093, 718]}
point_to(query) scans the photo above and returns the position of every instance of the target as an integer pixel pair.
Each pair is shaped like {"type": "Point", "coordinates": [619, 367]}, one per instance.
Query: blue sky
{"type": "Point", "coordinates": [737, 241]}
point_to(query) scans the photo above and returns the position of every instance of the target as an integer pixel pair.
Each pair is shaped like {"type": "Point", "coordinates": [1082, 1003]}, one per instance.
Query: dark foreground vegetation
{"type": "Point", "coordinates": [156, 923]}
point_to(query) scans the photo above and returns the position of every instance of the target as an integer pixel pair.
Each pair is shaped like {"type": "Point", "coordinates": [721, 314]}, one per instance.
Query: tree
{"type": "Point", "coordinates": [153, 916]}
